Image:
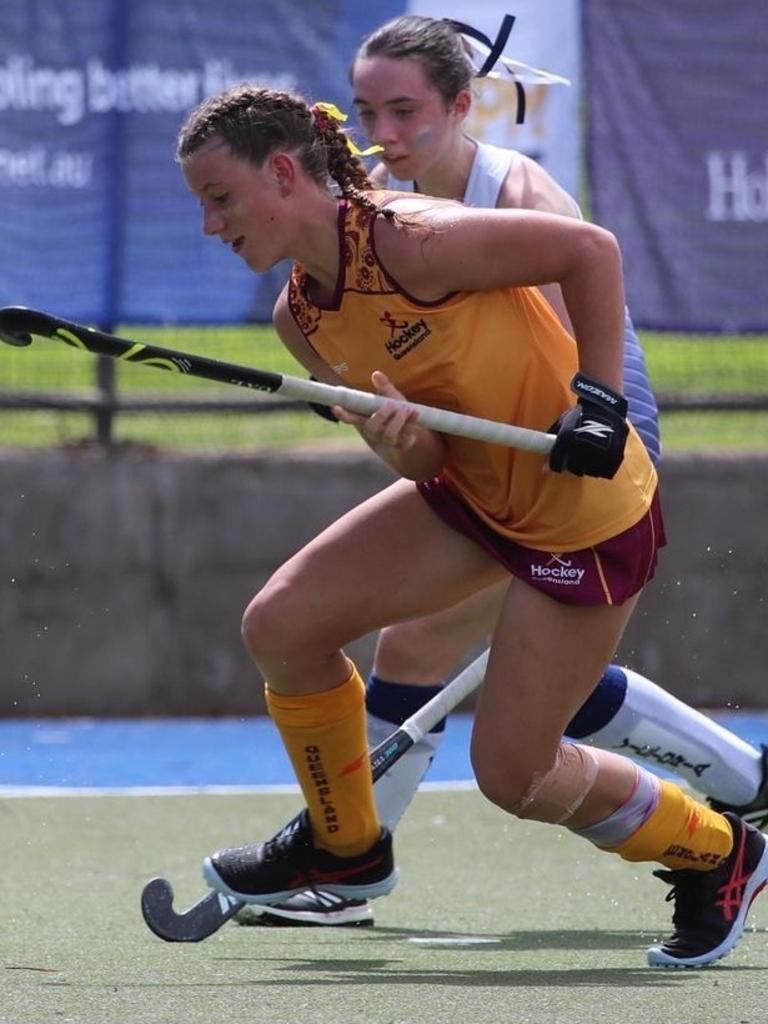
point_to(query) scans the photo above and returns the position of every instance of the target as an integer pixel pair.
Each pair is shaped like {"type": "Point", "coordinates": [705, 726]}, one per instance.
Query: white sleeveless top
{"type": "Point", "coordinates": [489, 172]}
{"type": "Point", "coordinates": [487, 175]}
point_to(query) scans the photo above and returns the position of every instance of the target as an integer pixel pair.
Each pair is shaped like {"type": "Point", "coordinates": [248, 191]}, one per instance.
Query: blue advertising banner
{"type": "Point", "coordinates": [678, 156]}
{"type": "Point", "coordinates": [96, 223]}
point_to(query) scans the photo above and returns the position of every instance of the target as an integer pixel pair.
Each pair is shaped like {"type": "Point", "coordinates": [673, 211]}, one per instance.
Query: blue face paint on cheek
{"type": "Point", "coordinates": [424, 138]}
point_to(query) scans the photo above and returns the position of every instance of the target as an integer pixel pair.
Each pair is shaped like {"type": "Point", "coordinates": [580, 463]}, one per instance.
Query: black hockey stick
{"type": "Point", "coordinates": [209, 914]}
{"type": "Point", "coordinates": [18, 325]}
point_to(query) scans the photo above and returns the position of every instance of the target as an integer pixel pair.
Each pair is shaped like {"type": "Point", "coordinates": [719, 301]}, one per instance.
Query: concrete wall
{"type": "Point", "coordinates": [123, 577]}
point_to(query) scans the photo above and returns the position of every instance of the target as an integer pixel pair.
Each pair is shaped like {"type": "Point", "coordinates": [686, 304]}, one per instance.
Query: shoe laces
{"type": "Point", "coordinates": [292, 841]}
{"type": "Point", "coordinates": [686, 894]}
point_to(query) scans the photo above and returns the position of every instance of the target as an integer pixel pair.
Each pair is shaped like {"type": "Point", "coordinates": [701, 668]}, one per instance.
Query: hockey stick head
{"type": "Point", "coordinates": [11, 330]}
{"type": "Point", "coordinates": [192, 925]}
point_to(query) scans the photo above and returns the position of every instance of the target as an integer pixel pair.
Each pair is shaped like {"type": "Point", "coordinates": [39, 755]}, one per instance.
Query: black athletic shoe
{"type": "Point", "coordinates": [755, 812]}
{"type": "Point", "coordinates": [270, 872]}
{"type": "Point", "coordinates": [711, 906]}
{"type": "Point", "coordinates": [312, 908]}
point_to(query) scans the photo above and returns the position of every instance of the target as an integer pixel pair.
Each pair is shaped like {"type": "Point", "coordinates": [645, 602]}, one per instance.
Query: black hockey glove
{"type": "Point", "coordinates": [591, 436]}
{"type": "Point", "coordinates": [325, 411]}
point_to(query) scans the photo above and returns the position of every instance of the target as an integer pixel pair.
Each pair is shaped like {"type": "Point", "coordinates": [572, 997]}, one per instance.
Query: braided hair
{"type": "Point", "coordinates": [255, 122]}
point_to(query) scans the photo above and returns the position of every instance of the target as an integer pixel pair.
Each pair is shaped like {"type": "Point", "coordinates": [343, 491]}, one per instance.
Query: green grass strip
{"type": "Point", "coordinates": [722, 365]}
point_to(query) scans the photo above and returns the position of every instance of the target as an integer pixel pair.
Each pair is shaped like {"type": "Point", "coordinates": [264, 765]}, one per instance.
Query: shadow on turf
{"type": "Point", "coordinates": [591, 940]}
{"type": "Point", "coordinates": [327, 971]}
{"type": "Point", "coordinates": [332, 973]}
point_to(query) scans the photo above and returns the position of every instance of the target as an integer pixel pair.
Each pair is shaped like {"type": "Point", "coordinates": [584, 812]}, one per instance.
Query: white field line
{"type": "Point", "coordinates": [15, 792]}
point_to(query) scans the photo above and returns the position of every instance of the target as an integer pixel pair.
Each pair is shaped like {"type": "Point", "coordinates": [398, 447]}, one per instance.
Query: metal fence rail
{"type": "Point", "coordinates": [106, 407]}
{"type": "Point", "coordinates": [104, 402]}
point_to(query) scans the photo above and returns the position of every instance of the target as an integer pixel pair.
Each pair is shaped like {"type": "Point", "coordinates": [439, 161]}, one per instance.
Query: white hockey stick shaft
{"type": "Point", "coordinates": [427, 717]}
{"type": "Point", "coordinates": [442, 420]}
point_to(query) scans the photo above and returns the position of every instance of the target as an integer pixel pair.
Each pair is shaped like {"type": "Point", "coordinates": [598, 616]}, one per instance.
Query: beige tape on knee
{"type": "Point", "coordinates": [556, 795]}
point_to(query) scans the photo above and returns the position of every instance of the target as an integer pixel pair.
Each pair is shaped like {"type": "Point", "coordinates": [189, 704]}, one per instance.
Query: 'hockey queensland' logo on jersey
{"type": "Point", "coordinates": [404, 335]}
{"type": "Point", "coordinates": [558, 570]}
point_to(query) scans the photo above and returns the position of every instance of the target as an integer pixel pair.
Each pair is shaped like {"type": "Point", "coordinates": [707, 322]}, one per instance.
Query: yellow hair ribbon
{"type": "Point", "coordinates": [355, 151]}
{"type": "Point", "coordinates": [332, 111]}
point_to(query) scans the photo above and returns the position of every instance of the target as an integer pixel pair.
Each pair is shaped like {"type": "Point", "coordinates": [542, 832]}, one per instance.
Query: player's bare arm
{"type": "Point", "coordinates": [454, 248]}
{"type": "Point", "coordinates": [529, 187]}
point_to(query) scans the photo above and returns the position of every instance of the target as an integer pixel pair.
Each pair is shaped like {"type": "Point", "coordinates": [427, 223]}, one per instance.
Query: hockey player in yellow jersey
{"type": "Point", "coordinates": [435, 302]}
{"type": "Point", "coordinates": [413, 81]}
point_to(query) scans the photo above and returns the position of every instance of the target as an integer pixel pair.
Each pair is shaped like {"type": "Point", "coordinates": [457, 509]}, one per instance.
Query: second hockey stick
{"type": "Point", "coordinates": [208, 915]}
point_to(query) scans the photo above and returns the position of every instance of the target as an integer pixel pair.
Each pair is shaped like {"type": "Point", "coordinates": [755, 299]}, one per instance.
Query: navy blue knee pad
{"type": "Point", "coordinates": [394, 702]}
{"type": "Point", "coordinates": [601, 705]}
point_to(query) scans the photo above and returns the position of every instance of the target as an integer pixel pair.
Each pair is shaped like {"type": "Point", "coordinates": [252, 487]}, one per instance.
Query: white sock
{"type": "Point", "coordinates": [653, 725]}
{"type": "Point", "coordinates": [627, 819]}
{"type": "Point", "coordinates": [397, 787]}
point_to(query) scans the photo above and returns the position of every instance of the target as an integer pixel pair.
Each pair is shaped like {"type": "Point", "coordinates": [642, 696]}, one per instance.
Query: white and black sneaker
{"type": "Point", "coordinates": [712, 906]}
{"type": "Point", "coordinates": [289, 863]}
{"type": "Point", "coordinates": [310, 909]}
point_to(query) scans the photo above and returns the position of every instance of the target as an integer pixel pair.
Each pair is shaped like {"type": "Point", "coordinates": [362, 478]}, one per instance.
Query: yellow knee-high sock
{"type": "Point", "coordinates": [679, 833]}
{"type": "Point", "coordinates": [325, 736]}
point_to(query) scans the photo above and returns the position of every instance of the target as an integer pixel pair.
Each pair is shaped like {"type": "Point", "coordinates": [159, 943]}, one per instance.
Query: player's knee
{"type": "Point", "coordinates": [501, 782]}
{"type": "Point", "coordinates": [253, 626]}
{"type": "Point", "coordinates": [267, 626]}
{"type": "Point", "coordinates": [550, 793]}
{"type": "Point", "coordinates": [503, 791]}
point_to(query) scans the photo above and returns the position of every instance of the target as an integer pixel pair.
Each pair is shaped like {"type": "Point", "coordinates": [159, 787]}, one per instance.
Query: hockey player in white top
{"type": "Point", "coordinates": [411, 80]}
{"type": "Point", "coordinates": [491, 169]}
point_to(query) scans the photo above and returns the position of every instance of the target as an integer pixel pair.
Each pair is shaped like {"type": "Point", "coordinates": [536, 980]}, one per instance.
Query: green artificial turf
{"type": "Point", "coordinates": [494, 922]}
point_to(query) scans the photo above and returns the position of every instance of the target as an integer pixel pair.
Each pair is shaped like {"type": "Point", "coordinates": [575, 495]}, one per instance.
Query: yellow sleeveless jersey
{"type": "Point", "coordinates": [502, 355]}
